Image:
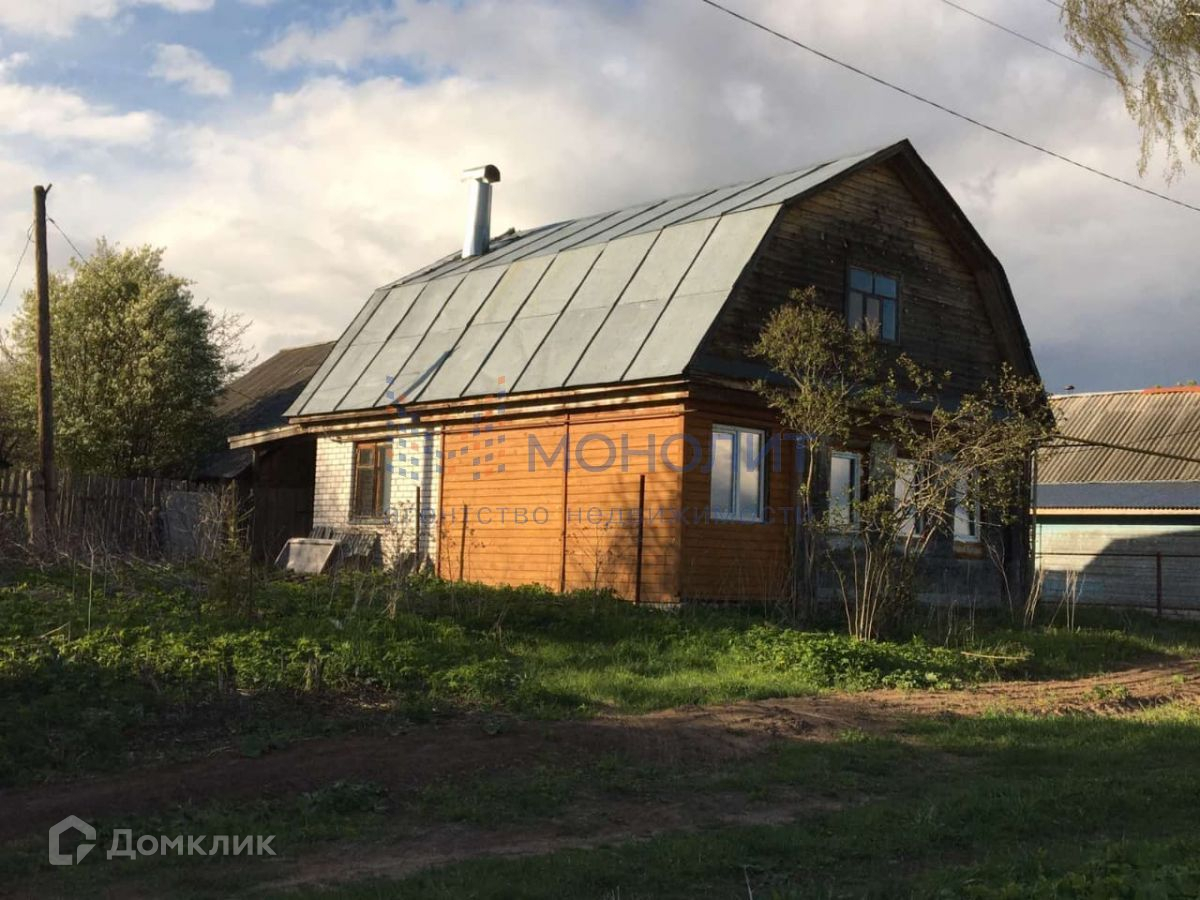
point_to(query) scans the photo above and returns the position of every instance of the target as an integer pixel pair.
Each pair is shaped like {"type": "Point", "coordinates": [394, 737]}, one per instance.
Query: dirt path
{"type": "Point", "coordinates": [689, 735]}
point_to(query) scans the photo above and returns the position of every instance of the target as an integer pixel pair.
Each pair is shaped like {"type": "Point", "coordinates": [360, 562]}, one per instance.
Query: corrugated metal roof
{"type": "Point", "coordinates": [1163, 420]}
{"type": "Point", "coordinates": [621, 296]}
{"type": "Point", "coordinates": [1139, 495]}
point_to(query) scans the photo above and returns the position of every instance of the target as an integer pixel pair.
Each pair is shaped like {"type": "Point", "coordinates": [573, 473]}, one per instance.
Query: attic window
{"type": "Point", "coordinates": [872, 302]}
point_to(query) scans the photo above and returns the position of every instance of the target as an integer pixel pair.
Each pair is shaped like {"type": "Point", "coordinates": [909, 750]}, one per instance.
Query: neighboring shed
{"type": "Point", "coordinates": [555, 404]}
{"type": "Point", "coordinates": [1118, 499]}
{"type": "Point", "coordinates": [276, 473]}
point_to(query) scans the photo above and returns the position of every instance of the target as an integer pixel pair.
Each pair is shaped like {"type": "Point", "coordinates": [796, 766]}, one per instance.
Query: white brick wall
{"type": "Point", "coordinates": [416, 462]}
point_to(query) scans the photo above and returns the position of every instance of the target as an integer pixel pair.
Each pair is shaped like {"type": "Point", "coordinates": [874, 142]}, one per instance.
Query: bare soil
{"type": "Point", "coordinates": [689, 735]}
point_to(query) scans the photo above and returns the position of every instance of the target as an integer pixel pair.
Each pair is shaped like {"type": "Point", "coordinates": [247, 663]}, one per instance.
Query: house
{"type": "Point", "coordinates": [572, 405]}
{"type": "Point", "coordinates": [274, 476]}
{"type": "Point", "coordinates": [1117, 502]}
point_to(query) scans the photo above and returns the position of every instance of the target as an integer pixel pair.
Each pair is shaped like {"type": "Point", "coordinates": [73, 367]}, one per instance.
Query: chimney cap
{"type": "Point", "coordinates": [488, 174]}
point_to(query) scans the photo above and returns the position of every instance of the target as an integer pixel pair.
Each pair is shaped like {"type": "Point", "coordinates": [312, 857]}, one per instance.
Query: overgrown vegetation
{"type": "Point", "coordinates": [137, 365]}
{"type": "Point", "coordinates": [97, 671]}
{"type": "Point", "coordinates": [934, 454]}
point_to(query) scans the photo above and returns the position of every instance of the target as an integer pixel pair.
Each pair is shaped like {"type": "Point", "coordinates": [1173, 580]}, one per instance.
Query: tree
{"type": "Point", "coordinates": [1152, 49]}
{"type": "Point", "coordinates": [136, 363]}
{"type": "Point", "coordinates": [935, 452]}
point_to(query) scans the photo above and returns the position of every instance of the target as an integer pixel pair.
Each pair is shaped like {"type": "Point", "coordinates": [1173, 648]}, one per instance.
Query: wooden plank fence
{"type": "Point", "coordinates": [145, 517]}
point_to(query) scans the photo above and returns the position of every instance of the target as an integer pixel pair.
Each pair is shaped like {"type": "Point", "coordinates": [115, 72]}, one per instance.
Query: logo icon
{"type": "Point", "coordinates": [57, 857]}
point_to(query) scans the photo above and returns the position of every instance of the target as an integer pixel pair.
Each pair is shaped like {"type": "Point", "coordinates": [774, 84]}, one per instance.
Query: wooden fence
{"type": "Point", "coordinates": [146, 517]}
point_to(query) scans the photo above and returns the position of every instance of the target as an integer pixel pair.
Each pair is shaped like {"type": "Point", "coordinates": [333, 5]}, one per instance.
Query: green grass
{"type": "Point", "coordinates": [999, 807]}
{"type": "Point", "coordinates": [150, 663]}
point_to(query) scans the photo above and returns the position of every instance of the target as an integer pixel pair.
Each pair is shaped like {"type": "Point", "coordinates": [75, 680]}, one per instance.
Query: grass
{"type": "Point", "coordinates": [999, 807]}
{"type": "Point", "coordinates": [151, 663]}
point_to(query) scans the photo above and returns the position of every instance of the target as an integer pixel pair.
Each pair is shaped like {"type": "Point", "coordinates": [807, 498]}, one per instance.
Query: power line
{"type": "Point", "coordinates": [17, 268]}
{"type": "Point", "coordinates": [1027, 39]}
{"type": "Point", "coordinates": [946, 109]}
{"type": "Point", "coordinates": [81, 256]}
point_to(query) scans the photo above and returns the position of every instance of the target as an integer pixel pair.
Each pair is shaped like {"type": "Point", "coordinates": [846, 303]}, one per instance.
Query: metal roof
{"type": "Point", "coordinates": [258, 400]}
{"type": "Point", "coordinates": [1162, 420]}
{"type": "Point", "coordinates": [621, 296]}
{"type": "Point", "coordinates": [1137, 495]}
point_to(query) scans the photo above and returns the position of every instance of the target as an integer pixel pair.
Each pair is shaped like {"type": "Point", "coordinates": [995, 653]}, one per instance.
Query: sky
{"type": "Point", "coordinates": [292, 156]}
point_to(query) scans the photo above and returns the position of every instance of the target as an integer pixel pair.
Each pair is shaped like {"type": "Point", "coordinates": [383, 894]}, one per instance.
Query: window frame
{"type": "Point", "coordinates": [381, 474]}
{"type": "Point", "coordinates": [736, 515]}
{"type": "Point", "coordinates": [972, 515]}
{"type": "Point", "coordinates": [873, 273]}
{"type": "Point", "coordinates": [856, 489]}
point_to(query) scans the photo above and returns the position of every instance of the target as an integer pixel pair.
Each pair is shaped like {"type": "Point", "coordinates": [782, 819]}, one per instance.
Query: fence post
{"type": "Point", "coordinates": [641, 533]}
{"type": "Point", "coordinates": [1158, 585]}
{"type": "Point", "coordinates": [462, 545]}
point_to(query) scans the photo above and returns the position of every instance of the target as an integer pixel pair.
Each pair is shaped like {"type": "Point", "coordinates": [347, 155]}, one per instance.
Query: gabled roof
{"type": "Point", "coordinates": [1161, 420]}
{"type": "Point", "coordinates": [624, 296]}
{"type": "Point", "coordinates": [259, 399]}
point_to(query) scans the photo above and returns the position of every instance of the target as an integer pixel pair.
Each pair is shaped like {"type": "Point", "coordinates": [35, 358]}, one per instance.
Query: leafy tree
{"type": "Point", "coordinates": [136, 362]}
{"type": "Point", "coordinates": [1152, 49]}
{"type": "Point", "coordinates": [959, 450]}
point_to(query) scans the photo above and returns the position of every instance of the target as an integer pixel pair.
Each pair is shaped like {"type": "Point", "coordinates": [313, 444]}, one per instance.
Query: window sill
{"type": "Point", "coordinates": [968, 548]}
{"type": "Point", "coordinates": [368, 520]}
{"type": "Point", "coordinates": [733, 520]}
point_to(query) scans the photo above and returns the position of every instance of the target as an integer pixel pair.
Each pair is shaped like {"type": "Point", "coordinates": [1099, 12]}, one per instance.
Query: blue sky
{"type": "Point", "coordinates": [293, 155]}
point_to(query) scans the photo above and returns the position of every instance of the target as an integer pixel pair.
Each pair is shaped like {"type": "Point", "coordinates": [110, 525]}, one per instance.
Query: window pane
{"type": "Point", "coordinates": [364, 492]}
{"type": "Point", "coordinates": [887, 328]}
{"type": "Point", "coordinates": [750, 474]}
{"type": "Point", "coordinates": [721, 495]}
{"type": "Point", "coordinates": [884, 286]}
{"type": "Point", "coordinates": [860, 280]}
{"type": "Point", "coordinates": [965, 524]}
{"type": "Point", "coordinates": [842, 477]}
{"type": "Point", "coordinates": [854, 309]}
{"type": "Point", "coordinates": [873, 315]}
{"type": "Point", "coordinates": [906, 473]}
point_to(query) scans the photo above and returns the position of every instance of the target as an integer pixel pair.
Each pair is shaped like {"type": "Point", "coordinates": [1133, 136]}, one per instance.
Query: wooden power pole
{"type": "Point", "coordinates": [45, 399]}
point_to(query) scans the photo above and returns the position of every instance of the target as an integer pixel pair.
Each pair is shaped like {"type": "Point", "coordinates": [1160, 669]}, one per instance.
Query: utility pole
{"type": "Point", "coordinates": [45, 399]}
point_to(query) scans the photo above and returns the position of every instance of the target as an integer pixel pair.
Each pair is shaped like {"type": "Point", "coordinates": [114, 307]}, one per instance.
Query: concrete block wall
{"type": "Point", "coordinates": [416, 464]}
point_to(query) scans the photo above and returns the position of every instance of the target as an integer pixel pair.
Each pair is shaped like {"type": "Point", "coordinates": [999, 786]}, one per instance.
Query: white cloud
{"type": "Point", "coordinates": [58, 18]}
{"type": "Point", "coordinates": [292, 211]}
{"type": "Point", "coordinates": [177, 64]}
{"type": "Point", "coordinates": [50, 113]}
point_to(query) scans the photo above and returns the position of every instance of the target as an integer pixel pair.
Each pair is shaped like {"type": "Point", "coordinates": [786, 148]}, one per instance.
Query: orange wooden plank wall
{"type": "Point", "coordinates": [571, 526]}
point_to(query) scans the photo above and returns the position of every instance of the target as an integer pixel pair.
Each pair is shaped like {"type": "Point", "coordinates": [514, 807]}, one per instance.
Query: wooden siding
{"type": "Point", "coordinates": [515, 518]}
{"type": "Point", "coordinates": [872, 219]}
{"type": "Point", "coordinates": [735, 561]}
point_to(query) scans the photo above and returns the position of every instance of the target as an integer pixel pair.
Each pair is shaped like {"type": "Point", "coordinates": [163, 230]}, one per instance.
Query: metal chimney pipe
{"type": "Point", "coordinates": [479, 210]}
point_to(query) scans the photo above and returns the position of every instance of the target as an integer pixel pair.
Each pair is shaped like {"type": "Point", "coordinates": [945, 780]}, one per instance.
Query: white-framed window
{"type": "Point", "coordinates": [906, 485]}
{"type": "Point", "coordinates": [966, 513]}
{"type": "Point", "coordinates": [845, 485]}
{"type": "Point", "coordinates": [738, 476]}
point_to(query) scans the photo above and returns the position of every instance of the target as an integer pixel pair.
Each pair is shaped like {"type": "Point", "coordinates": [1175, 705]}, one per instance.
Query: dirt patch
{"type": "Point", "coordinates": [585, 829]}
{"type": "Point", "coordinates": [685, 736]}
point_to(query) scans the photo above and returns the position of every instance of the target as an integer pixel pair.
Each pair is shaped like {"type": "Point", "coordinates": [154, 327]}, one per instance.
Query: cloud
{"type": "Point", "coordinates": [177, 64]}
{"type": "Point", "coordinates": [291, 208]}
{"type": "Point", "coordinates": [58, 18]}
{"type": "Point", "coordinates": [50, 113]}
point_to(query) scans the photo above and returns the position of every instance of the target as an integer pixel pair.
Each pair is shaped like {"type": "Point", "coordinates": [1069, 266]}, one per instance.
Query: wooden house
{"type": "Point", "coordinates": [572, 405]}
{"type": "Point", "coordinates": [272, 465]}
{"type": "Point", "coordinates": [1117, 502]}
